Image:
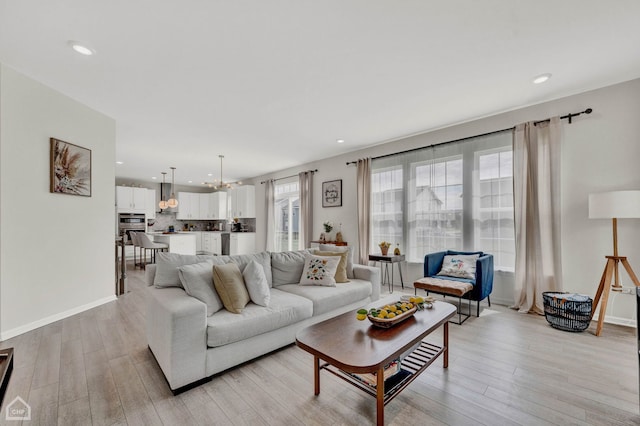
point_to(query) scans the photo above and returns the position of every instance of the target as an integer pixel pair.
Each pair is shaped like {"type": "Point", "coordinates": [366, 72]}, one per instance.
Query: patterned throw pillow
{"type": "Point", "coordinates": [319, 270]}
{"type": "Point", "coordinates": [459, 266]}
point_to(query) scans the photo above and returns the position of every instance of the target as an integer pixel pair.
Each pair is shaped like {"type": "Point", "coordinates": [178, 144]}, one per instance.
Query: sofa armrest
{"type": "Point", "coordinates": [149, 274]}
{"type": "Point", "coordinates": [176, 334]}
{"type": "Point", "coordinates": [433, 263]}
{"type": "Point", "coordinates": [370, 274]}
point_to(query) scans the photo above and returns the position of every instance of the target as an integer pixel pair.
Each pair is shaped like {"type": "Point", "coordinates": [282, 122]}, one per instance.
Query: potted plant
{"type": "Point", "coordinates": [384, 247]}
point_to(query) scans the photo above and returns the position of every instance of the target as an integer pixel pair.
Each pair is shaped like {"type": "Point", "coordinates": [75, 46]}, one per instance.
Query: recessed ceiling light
{"type": "Point", "coordinates": [340, 141]}
{"type": "Point", "coordinates": [81, 48]}
{"type": "Point", "coordinates": [541, 78]}
{"type": "Point", "coordinates": [209, 174]}
{"type": "Point", "coordinates": [153, 177]}
{"type": "Point", "coordinates": [119, 162]}
{"type": "Point", "coordinates": [190, 181]}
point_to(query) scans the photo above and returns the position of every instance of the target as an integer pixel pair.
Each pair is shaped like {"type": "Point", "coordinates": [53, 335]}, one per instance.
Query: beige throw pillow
{"type": "Point", "coordinates": [229, 284]}
{"type": "Point", "coordinates": [341, 272]}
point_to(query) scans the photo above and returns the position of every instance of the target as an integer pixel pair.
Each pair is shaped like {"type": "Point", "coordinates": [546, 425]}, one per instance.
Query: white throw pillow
{"type": "Point", "coordinates": [459, 266]}
{"type": "Point", "coordinates": [256, 282]}
{"type": "Point", "coordinates": [197, 280]}
{"type": "Point", "coordinates": [319, 270]}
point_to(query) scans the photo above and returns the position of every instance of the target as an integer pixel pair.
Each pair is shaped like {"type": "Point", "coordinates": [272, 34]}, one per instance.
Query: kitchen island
{"type": "Point", "coordinates": [178, 242]}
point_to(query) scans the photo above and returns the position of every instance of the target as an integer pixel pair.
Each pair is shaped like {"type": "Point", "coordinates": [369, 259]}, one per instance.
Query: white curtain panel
{"type": "Point", "coordinates": [306, 209]}
{"type": "Point", "coordinates": [269, 190]}
{"type": "Point", "coordinates": [364, 208]}
{"type": "Point", "coordinates": [536, 181]}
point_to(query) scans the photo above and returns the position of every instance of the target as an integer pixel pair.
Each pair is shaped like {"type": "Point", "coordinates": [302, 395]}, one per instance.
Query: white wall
{"type": "Point", "coordinates": [600, 153]}
{"type": "Point", "coordinates": [56, 251]}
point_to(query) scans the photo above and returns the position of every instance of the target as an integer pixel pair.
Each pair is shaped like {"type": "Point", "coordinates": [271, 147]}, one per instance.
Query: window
{"type": "Point", "coordinates": [493, 215]}
{"type": "Point", "coordinates": [287, 213]}
{"type": "Point", "coordinates": [456, 196]}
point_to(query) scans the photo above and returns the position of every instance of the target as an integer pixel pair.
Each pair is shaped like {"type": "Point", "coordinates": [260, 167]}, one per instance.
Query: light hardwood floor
{"type": "Point", "coordinates": [504, 369]}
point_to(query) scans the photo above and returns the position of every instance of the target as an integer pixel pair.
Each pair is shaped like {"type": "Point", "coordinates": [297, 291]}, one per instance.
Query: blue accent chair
{"type": "Point", "coordinates": [482, 284]}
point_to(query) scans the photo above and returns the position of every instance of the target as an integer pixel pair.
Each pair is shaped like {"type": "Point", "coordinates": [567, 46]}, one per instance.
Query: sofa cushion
{"type": "Point", "coordinates": [341, 272]}
{"type": "Point", "coordinates": [348, 249]}
{"type": "Point", "coordinates": [229, 284]}
{"type": "Point", "coordinates": [287, 266]}
{"type": "Point", "coordinates": [319, 270]}
{"type": "Point", "coordinates": [459, 266]}
{"type": "Point", "coordinates": [263, 258]}
{"type": "Point", "coordinates": [284, 309]}
{"type": "Point", "coordinates": [197, 280]}
{"type": "Point", "coordinates": [326, 299]}
{"type": "Point", "coordinates": [167, 267]}
{"type": "Point", "coordinates": [256, 284]}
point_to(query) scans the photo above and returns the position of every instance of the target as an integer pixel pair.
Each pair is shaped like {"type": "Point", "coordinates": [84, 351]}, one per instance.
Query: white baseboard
{"type": "Point", "coordinates": [627, 322]}
{"type": "Point", "coordinates": [53, 318]}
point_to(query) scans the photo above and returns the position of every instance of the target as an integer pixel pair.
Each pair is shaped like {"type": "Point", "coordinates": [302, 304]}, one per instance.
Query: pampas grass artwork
{"type": "Point", "coordinates": [70, 169]}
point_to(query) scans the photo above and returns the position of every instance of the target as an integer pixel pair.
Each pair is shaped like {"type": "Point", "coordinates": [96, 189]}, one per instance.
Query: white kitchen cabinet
{"type": "Point", "coordinates": [211, 243]}
{"type": "Point", "coordinates": [188, 206]}
{"type": "Point", "coordinates": [218, 205]}
{"type": "Point", "coordinates": [213, 206]}
{"type": "Point", "coordinates": [151, 204]}
{"type": "Point", "coordinates": [131, 200]}
{"type": "Point", "coordinates": [242, 243]}
{"type": "Point", "coordinates": [198, 235]}
{"type": "Point", "coordinates": [241, 202]}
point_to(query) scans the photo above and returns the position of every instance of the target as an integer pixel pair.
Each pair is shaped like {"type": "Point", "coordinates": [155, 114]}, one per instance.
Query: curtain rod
{"type": "Point", "coordinates": [568, 116]}
{"type": "Point", "coordinates": [287, 177]}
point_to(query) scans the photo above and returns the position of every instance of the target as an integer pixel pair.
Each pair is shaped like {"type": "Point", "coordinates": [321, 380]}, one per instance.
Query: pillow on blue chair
{"type": "Point", "coordinates": [459, 266]}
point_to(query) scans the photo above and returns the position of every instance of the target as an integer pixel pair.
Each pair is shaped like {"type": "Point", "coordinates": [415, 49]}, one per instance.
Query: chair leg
{"type": "Point", "coordinates": [489, 300]}
{"type": "Point", "coordinates": [144, 263]}
{"type": "Point", "coordinates": [478, 310]}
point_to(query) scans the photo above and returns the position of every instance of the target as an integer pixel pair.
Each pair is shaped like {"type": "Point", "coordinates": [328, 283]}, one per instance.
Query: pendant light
{"type": "Point", "coordinates": [163, 203]}
{"type": "Point", "coordinates": [173, 203]}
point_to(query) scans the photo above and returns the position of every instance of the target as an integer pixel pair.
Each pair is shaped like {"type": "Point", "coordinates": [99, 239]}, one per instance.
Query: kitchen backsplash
{"type": "Point", "coordinates": [163, 221]}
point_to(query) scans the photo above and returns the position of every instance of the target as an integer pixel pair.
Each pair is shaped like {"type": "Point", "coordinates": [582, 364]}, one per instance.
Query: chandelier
{"type": "Point", "coordinates": [221, 184]}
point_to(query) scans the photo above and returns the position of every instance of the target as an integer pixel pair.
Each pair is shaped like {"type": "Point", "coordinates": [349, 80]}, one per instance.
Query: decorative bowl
{"type": "Point", "coordinates": [390, 322]}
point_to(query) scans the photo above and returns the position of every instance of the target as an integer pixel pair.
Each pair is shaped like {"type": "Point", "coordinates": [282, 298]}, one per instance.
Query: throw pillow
{"type": "Point", "coordinates": [256, 282]}
{"type": "Point", "coordinates": [459, 266]}
{"type": "Point", "coordinates": [167, 265]}
{"type": "Point", "coordinates": [319, 270]}
{"type": "Point", "coordinates": [348, 249]}
{"type": "Point", "coordinates": [197, 280]}
{"type": "Point", "coordinates": [229, 284]}
{"type": "Point", "coordinates": [341, 272]}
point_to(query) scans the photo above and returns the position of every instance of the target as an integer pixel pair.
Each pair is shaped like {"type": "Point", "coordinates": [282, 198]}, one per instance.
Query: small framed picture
{"type": "Point", "coordinates": [332, 193]}
{"type": "Point", "coordinates": [70, 169]}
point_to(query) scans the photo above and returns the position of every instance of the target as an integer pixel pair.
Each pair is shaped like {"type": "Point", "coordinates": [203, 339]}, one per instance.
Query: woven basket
{"type": "Point", "coordinates": [567, 311]}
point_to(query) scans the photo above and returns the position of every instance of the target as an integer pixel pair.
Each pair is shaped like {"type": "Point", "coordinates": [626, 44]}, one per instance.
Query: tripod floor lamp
{"type": "Point", "coordinates": [613, 205]}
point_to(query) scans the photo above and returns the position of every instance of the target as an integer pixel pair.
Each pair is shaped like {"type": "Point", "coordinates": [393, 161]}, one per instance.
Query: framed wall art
{"type": "Point", "coordinates": [332, 193]}
{"type": "Point", "coordinates": [70, 169]}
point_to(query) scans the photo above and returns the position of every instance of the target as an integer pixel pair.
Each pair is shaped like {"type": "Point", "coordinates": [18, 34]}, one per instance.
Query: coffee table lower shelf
{"type": "Point", "coordinates": [410, 368]}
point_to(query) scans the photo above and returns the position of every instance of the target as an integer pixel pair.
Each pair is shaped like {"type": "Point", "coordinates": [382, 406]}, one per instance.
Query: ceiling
{"type": "Point", "coordinates": [273, 84]}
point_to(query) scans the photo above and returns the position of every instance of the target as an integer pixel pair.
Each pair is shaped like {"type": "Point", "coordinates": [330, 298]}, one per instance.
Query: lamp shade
{"type": "Point", "coordinates": [614, 204]}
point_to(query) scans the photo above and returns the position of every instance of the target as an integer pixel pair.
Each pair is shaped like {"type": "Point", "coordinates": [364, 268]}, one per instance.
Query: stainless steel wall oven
{"type": "Point", "coordinates": [130, 222]}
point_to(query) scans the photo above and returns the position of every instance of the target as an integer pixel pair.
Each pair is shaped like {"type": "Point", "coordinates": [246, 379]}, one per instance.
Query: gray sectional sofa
{"type": "Point", "coordinates": [190, 346]}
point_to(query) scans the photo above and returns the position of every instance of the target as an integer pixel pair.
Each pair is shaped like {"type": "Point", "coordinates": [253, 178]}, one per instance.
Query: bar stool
{"type": "Point", "coordinates": [133, 236]}
{"type": "Point", "coordinates": [147, 244]}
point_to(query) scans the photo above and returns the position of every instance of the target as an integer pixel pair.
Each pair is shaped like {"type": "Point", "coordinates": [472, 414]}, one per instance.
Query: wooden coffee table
{"type": "Point", "coordinates": [348, 346]}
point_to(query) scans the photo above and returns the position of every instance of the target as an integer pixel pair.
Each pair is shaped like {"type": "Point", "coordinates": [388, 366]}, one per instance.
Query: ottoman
{"type": "Point", "coordinates": [447, 288]}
